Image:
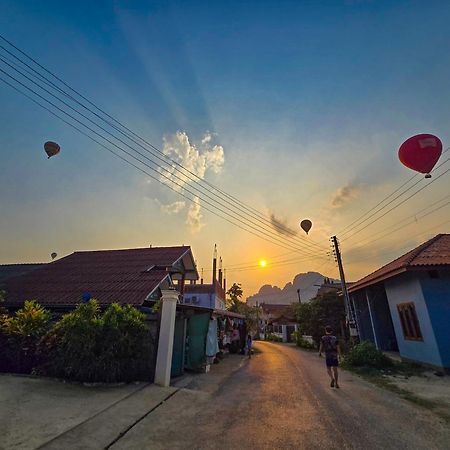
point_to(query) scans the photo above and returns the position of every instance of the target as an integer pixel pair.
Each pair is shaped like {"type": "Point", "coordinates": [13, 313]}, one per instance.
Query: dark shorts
{"type": "Point", "coordinates": [331, 361]}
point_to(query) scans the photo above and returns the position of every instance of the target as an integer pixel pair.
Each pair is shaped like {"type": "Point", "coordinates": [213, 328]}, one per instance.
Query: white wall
{"type": "Point", "coordinates": [407, 288]}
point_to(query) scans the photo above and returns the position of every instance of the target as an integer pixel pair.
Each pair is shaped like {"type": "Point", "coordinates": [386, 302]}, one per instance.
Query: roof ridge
{"type": "Point", "coordinates": [128, 249]}
{"type": "Point", "coordinates": [418, 250]}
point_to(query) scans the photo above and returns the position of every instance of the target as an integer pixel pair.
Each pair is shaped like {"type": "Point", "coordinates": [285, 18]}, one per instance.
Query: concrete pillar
{"type": "Point", "coordinates": [166, 331]}
{"type": "Point", "coordinates": [284, 333]}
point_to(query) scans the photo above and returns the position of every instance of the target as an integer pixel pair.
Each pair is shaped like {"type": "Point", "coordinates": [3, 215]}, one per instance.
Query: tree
{"type": "Point", "coordinates": [314, 316]}
{"type": "Point", "coordinates": [234, 302]}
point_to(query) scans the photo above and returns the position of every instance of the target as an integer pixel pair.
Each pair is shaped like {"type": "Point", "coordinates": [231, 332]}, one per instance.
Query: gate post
{"type": "Point", "coordinates": [169, 301]}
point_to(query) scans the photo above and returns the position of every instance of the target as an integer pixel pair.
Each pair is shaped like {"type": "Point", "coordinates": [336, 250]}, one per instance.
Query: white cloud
{"type": "Point", "coordinates": [198, 160]}
{"type": "Point", "coordinates": [194, 217]}
{"type": "Point", "coordinates": [173, 208]}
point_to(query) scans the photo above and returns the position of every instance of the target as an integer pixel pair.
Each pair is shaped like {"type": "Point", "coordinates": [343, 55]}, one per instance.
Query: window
{"type": "Point", "coordinates": [194, 300]}
{"type": "Point", "coordinates": [409, 321]}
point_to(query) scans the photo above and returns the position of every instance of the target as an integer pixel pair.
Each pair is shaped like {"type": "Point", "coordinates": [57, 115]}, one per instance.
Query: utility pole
{"type": "Point", "coordinates": [348, 309]}
{"type": "Point", "coordinates": [299, 299]}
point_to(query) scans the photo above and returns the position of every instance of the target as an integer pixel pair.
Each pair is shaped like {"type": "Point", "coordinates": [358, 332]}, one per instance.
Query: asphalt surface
{"type": "Point", "coordinates": [281, 399]}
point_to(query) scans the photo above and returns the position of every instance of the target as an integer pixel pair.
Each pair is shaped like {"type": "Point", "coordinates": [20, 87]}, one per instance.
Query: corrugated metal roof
{"type": "Point", "coordinates": [122, 276]}
{"type": "Point", "coordinates": [434, 253]}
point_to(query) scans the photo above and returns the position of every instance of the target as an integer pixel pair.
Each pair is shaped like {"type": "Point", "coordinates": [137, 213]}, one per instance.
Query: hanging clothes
{"type": "Point", "coordinates": [212, 346]}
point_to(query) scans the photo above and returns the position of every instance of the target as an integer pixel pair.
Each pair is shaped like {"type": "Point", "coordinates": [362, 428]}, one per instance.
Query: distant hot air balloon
{"type": "Point", "coordinates": [306, 225]}
{"type": "Point", "coordinates": [421, 153]}
{"type": "Point", "coordinates": [54, 255]}
{"type": "Point", "coordinates": [51, 148]}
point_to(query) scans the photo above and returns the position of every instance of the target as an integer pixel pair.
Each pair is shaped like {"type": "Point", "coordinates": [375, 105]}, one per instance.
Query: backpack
{"type": "Point", "coordinates": [329, 344]}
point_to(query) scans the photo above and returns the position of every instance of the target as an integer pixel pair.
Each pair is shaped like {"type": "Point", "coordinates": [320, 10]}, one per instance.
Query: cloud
{"type": "Point", "coordinates": [345, 195]}
{"type": "Point", "coordinates": [281, 227]}
{"type": "Point", "coordinates": [173, 208]}
{"type": "Point", "coordinates": [198, 160]}
{"type": "Point", "coordinates": [194, 217]}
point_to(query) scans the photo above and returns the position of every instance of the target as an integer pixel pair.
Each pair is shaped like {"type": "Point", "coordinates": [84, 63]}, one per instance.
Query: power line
{"type": "Point", "coordinates": [415, 217]}
{"type": "Point", "coordinates": [272, 240]}
{"type": "Point", "coordinates": [359, 222]}
{"type": "Point", "coordinates": [258, 216]}
{"type": "Point", "coordinates": [401, 203]}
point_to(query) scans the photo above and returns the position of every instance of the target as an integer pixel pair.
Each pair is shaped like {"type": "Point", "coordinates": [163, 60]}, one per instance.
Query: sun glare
{"type": "Point", "coordinates": [263, 263]}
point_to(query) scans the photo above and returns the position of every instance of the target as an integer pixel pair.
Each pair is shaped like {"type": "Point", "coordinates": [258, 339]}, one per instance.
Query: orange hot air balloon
{"type": "Point", "coordinates": [51, 148]}
{"type": "Point", "coordinates": [306, 225]}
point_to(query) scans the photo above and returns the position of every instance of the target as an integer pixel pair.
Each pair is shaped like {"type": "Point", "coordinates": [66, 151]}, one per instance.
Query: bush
{"type": "Point", "coordinates": [86, 345]}
{"type": "Point", "coordinates": [273, 337]}
{"type": "Point", "coordinates": [20, 336]}
{"type": "Point", "coordinates": [366, 354]}
{"type": "Point", "coordinates": [297, 337]}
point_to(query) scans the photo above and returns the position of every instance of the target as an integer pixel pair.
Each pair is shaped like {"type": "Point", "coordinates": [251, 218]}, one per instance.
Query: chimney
{"type": "Point", "coordinates": [220, 271]}
{"type": "Point", "coordinates": [225, 281]}
{"type": "Point", "coordinates": [214, 265]}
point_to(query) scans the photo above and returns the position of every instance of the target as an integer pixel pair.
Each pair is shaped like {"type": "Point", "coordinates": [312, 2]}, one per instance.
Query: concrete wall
{"type": "Point", "coordinates": [205, 300]}
{"type": "Point", "coordinates": [437, 296]}
{"type": "Point", "coordinates": [407, 288]}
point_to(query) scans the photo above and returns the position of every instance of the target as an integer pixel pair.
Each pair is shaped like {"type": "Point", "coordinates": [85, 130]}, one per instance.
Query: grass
{"type": "Point", "coordinates": [406, 370]}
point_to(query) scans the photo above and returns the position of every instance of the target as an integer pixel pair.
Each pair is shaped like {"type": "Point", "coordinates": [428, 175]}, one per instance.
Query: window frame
{"type": "Point", "coordinates": [409, 321]}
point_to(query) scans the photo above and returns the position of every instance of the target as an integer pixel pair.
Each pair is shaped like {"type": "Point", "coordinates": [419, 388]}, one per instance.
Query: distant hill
{"type": "Point", "coordinates": [274, 295]}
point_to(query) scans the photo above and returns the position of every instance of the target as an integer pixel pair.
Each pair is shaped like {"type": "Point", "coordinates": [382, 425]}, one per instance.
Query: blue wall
{"type": "Point", "coordinates": [407, 288]}
{"type": "Point", "coordinates": [436, 292]}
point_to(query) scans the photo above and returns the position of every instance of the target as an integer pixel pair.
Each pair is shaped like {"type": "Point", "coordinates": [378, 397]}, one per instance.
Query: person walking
{"type": "Point", "coordinates": [330, 345]}
{"type": "Point", "coordinates": [249, 344]}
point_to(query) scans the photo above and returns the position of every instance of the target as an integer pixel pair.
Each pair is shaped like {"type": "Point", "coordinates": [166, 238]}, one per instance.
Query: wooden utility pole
{"type": "Point", "coordinates": [348, 308]}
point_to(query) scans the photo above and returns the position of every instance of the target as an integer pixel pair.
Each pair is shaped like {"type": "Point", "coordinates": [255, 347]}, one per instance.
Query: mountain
{"type": "Point", "coordinates": [308, 283]}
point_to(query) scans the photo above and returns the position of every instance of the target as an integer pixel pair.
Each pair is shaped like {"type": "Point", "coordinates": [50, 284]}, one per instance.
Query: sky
{"type": "Point", "coordinates": [295, 108]}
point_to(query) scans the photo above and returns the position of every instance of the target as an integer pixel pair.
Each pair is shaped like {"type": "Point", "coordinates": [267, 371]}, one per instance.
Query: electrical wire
{"type": "Point", "coordinates": [128, 133]}
{"type": "Point", "coordinates": [193, 200]}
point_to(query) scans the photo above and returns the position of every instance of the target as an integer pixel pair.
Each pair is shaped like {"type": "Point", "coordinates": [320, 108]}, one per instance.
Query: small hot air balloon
{"type": "Point", "coordinates": [51, 148]}
{"type": "Point", "coordinates": [421, 153]}
{"type": "Point", "coordinates": [54, 255]}
{"type": "Point", "coordinates": [306, 225]}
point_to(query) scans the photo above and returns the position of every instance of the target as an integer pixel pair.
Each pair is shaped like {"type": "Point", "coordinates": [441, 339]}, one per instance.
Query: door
{"type": "Point", "coordinates": [197, 330]}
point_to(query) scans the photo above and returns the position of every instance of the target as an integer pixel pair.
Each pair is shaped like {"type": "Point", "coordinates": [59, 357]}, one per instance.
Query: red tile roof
{"type": "Point", "coordinates": [434, 253]}
{"type": "Point", "coordinates": [122, 276]}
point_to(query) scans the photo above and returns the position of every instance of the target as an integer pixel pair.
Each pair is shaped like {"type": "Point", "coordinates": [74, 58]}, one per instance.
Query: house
{"type": "Point", "coordinates": [14, 270]}
{"type": "Point", "coordinates": [405, 305]}
{"type": "Point", "coordinates": [267, 313]}
{"type": "Point", "coordinates": [207, 295]}
{"type": "Point", "coordinates": [130, 276]}
{"type": "Point", "coordinates": [284, 325]}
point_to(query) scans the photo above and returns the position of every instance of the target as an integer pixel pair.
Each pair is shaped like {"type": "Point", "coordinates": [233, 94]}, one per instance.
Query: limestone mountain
{"type": "Point", "coordinates": [308, 283]}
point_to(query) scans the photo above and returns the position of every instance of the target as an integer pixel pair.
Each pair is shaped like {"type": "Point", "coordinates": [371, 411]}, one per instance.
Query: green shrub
{"type": "Point", "coordinates": [273, 337]}
{"type": "Point", "coordinates": [366, 354]}
{"type": "Point", "coordinates": [86, 345]}
{"type": "Point", "coordinates": [297, 337]}
{"type": "Point", "coordinates": [20, 336]}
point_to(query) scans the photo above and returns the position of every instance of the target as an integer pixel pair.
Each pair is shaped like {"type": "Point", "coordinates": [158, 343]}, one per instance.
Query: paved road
{"type": "Point", "coordinates": [281, 399]}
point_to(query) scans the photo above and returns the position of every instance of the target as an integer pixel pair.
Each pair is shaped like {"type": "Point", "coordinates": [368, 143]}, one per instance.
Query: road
{"type": "Point", "coordinates": [281, 399]}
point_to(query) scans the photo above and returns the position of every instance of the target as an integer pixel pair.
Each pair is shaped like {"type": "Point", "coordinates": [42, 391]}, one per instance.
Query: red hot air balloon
{"type": "Point", "coordinates": [421, 153]}
{"type": "Point", "coordinates": [306, 225]}
{"type": "Point", "coordinates": [51, 148]}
